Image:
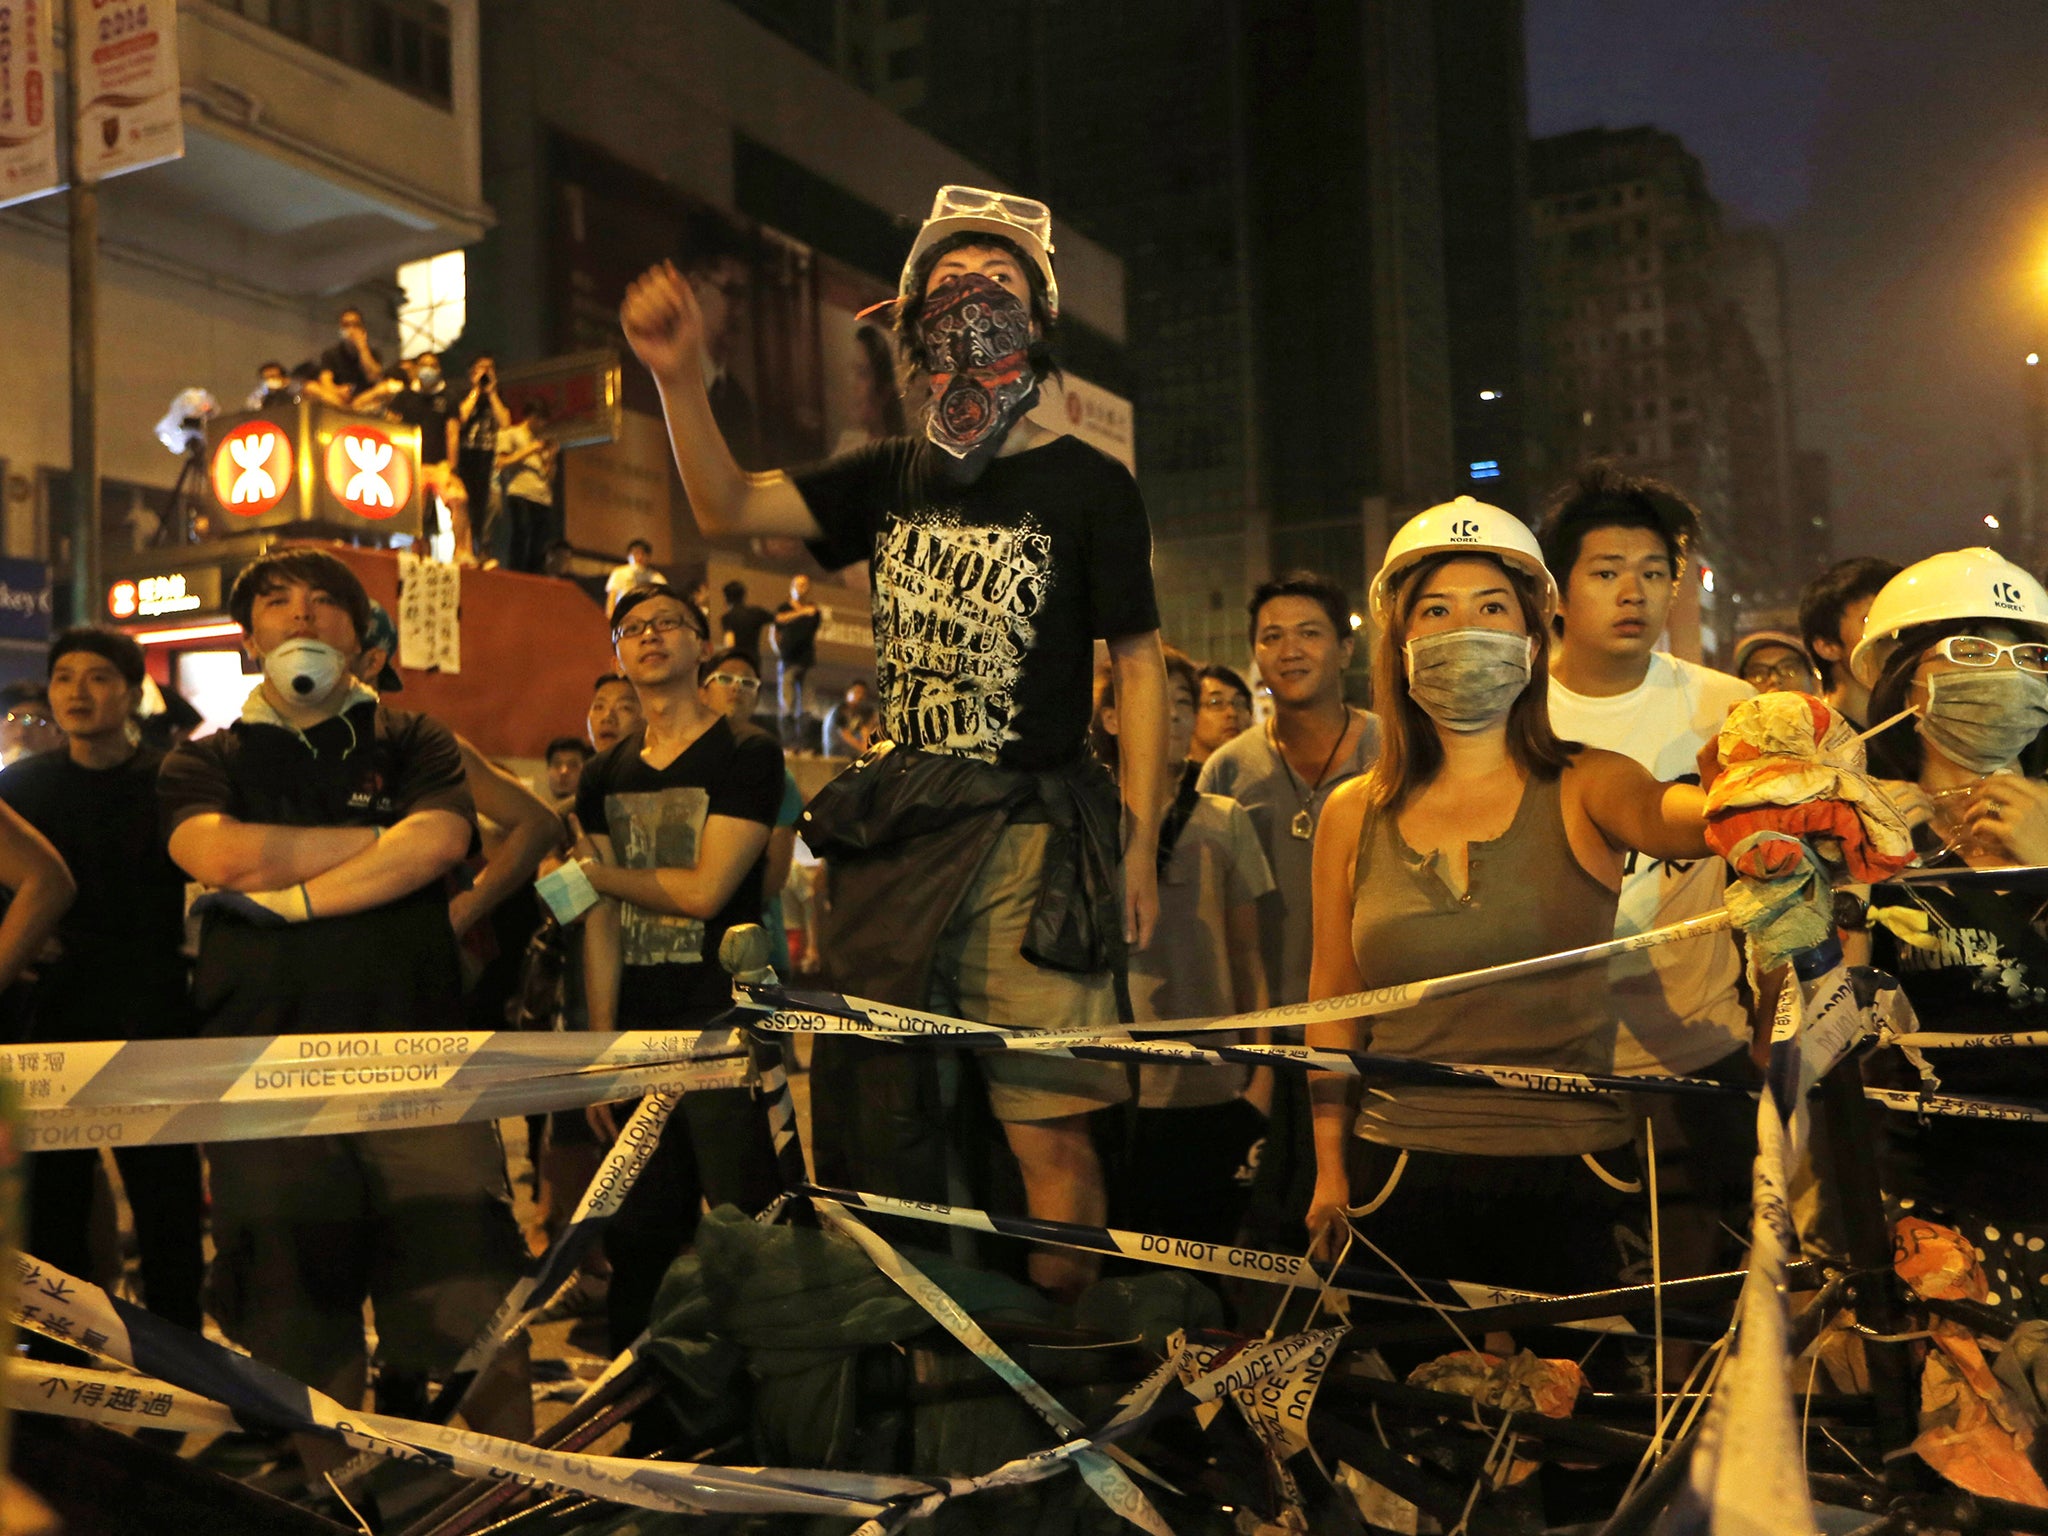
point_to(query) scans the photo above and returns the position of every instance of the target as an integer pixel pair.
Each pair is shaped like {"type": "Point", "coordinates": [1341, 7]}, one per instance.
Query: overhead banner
{"type": "Point", "coordinates": [28, 106]}
{"type": "Point", "coordinates": [125, 81]}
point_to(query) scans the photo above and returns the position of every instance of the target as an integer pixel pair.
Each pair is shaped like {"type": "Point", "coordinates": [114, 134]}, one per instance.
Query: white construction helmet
{"type": "Point", "coordinates": [1961, 584]}
{"type": "Point", "coordinates": [1462, 527]}
{"type": "Point", "coordinates": [1023, 221]}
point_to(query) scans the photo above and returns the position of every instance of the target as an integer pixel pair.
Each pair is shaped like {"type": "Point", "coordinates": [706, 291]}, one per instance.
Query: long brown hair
{"type": "Point", "coordinates": [1410, 753]}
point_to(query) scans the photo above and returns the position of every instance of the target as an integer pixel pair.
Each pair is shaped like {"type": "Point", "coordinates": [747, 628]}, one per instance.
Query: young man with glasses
{"type": "Point", "coordinates": [982, 880]}
{"type": "Point", "coordinates": [730, 685]}
{"type": "Point", "coordinates": [1771, 661]}
{"type": "Point", "coordinates": [1617, 546]}
{"type": "Point", "coordinates": [1222, 713]}
{"type": "Point", "coordinates": [675, 818]}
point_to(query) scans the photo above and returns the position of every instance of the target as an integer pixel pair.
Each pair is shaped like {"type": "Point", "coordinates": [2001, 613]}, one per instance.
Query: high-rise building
{"type": "Point", "coordinates": [1664, 348]}
{"type": "Point", "coordinates": [1321, 209]}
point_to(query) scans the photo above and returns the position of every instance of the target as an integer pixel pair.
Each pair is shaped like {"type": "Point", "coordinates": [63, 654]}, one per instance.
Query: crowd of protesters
{"type": "Point", "coordinates": [1044, 817]}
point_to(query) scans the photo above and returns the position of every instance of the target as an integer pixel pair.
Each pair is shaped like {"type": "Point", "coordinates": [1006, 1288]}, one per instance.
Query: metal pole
{"type": "Point", "coordinates": [85, 446]}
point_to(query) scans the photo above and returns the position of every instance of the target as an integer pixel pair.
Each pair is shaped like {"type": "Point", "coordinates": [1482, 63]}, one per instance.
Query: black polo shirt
{"type": "Point", "coordinates": [390, 968]}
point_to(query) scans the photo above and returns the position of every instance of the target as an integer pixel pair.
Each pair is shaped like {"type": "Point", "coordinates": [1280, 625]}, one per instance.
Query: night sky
{"type": "Point", "coordinates": [1900, 149]}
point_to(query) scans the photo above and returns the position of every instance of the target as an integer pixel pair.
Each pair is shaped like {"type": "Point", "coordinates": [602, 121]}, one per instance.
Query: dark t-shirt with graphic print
{"type": "Point", "coordinates": [1983, 969]}
{"type": "Point", "coordinates": [988, 597]}
{"type": "Point", "coordinates": [655, 819]}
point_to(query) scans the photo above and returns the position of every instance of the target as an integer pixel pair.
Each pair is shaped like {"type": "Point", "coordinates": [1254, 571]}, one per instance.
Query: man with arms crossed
{"type": "Point", "coordinates": [1000, 552]}
{"type": "Point", "coordinates": [324, 824]}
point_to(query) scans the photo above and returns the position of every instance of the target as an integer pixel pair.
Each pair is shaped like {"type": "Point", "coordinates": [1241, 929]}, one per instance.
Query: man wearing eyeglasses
{"type": "Point", "coordinates": [1771, 661]}
{"type": "Point", "coordinates": [675, 819]}
{"type": "Point", "coordinates": [979, 873]}
{"type": "Point", "coordinates": [26, 727]}
{"type": "Point", "coordinates": [1223, 712]}
{"type": "Point", "coordinates": [731, 686]}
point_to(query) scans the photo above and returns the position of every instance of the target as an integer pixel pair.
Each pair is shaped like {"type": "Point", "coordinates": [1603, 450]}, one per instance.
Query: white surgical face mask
{"type": "Point", "coordinates": [1467, 679]}
{"type": "Point", "coordinates": [305, 671]}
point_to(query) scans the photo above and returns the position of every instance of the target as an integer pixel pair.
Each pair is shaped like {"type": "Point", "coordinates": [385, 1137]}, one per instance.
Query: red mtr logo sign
{"type": "Point", "coordinates": [368, 473]}
{"type": "Point", "coordinates": [252, 468]}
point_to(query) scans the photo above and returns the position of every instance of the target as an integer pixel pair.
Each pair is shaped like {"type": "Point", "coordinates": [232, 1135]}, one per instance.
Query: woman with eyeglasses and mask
{"type": "Point", "coordinates": [1478, 838]}
{"type": "Point", "coordinates": [1961, 639]}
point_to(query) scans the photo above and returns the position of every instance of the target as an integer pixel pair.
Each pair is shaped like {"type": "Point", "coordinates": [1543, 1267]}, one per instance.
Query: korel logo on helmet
{"type": "Point", "coordinates": [1464, 528]}
{"type": "Point", "coordinates": [2005, 595]}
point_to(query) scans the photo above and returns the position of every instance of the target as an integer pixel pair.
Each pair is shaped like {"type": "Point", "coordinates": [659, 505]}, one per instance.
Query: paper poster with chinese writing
{"type": "Point", "coordinates": [124, 63]}
{"type": "Point", "coordinates": [429, 614]}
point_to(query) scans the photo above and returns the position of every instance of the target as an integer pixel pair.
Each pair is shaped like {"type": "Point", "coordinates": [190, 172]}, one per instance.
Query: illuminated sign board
{"type": "Point", "coordinates": [368, 473]}
{"type": "Point", "coordinates": [252, 468]}
{"type": "Point", "coordinates": [164, 596]}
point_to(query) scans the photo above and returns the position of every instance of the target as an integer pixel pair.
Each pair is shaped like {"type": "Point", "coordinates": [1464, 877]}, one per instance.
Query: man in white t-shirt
{"type": "Point", "coordinates": [1617, 546]}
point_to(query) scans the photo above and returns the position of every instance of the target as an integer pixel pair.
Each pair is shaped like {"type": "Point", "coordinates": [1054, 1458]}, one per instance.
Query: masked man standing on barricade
{"type": "Point", "coordinates": [975, 856]}
{"type": "Point", "coordinates": [323, 825]}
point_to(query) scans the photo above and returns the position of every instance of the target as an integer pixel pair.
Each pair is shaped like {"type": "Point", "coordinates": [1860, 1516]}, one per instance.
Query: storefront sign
{"type": "Point", "coordinates": [157, 597]}
{"type": "Point", "coordinates": [580, 392]}
{"type": "Point", "coordinates": [1090, 412]}
{"type": "Point", "coordinates": [24, 600]}
{"type": "Point", "coordinates": [28, 115]}
{"type": "Point", "coordinates": [125, 81]}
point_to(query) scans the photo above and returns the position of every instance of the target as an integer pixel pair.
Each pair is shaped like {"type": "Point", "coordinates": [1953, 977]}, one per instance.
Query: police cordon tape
{"type": "Point", "coordinates": [203, 1385]}
{"type": "Point", "coordinates": [156, 1092]}
{"type": "Point", "coordinates": [1108, 1481]}
{"type": "Point", "coordinates": [832, 1012]}
{"type": "Point", "coordinates": [1288, 1269]}
{"type": "Point", "coordinates": [784, 1010]}
{"type": "Point", "coordinates": [258, 1397]}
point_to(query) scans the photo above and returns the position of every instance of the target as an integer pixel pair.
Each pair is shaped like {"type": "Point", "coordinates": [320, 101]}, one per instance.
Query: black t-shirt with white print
{"type": "Point", "coordinates": [988, 597]}
{"type": "Point", "coordinates": [655, 818]}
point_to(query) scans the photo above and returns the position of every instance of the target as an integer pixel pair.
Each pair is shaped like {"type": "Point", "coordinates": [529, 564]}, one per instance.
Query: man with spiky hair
{"type": "Point", "coordinates": [975, 864]}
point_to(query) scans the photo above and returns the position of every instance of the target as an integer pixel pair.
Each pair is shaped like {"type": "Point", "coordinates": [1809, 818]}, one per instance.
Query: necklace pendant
{"type": "Point", "coordinates": [1304, 826]}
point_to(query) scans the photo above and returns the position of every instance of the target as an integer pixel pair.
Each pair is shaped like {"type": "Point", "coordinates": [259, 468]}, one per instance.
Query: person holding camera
{"type": "Point", "coordinates": [482, 416]}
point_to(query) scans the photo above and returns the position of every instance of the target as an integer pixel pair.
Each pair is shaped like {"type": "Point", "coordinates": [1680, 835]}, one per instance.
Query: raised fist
{"type": "Point", "coordinates": [663, 324]}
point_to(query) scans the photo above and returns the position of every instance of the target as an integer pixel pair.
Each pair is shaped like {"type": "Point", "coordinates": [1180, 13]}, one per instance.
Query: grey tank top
{"type": "Point", "coordinates": [1526, 894]}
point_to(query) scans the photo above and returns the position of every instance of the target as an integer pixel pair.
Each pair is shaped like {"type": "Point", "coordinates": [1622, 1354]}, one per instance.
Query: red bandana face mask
{"type": "Point", "coordinates": [976, 339]}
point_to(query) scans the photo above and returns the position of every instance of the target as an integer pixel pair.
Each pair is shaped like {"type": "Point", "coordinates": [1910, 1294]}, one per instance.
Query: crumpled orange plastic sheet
{"type": "Point", "coordinates": [1969, 1431]}
{"type": "Point", "coordinates": [1937, 1262]}
{"type": "Point", "coordinates": [1793, 765]}
{"type": "Point", "coordinates": [1972, 1430]}
{"type": "Point", "coordinates": [1522, 1384]}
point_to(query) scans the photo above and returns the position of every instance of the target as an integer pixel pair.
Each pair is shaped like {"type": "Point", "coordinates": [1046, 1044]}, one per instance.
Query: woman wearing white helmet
{"type": "Point", "coordinates": [1962, 639]}
{"type": "Point", "coordinates": [1478, 838]}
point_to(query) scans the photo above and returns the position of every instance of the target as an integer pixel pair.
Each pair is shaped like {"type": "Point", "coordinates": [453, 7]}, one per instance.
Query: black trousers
{"type": "Point", "coordinates": [164, 1193]}
{"type": "Point", "coordinates": [1562, 1225]}
{"type": "Point", "coordinates": [714, 1150]}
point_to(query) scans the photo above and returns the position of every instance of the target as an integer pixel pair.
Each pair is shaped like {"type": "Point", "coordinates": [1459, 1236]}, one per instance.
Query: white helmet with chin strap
{"type": "Point", "coordinates": [1023, 221]}
{"type": "Point", "coordinates": [1462, 527]}
{"type": "Point", "coordinates": [1960, 584]}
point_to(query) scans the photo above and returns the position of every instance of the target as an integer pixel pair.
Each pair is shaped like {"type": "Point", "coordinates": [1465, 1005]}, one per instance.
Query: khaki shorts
{"type": "Point", "coordinates": [417, 1222]}
{"type": "Point", "coordinates": [979, 972]}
